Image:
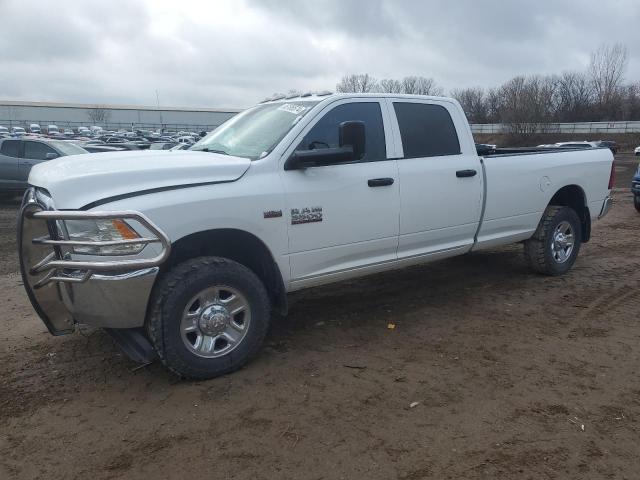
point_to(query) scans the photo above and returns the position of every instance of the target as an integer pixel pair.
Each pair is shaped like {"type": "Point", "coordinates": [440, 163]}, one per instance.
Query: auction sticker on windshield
{"type": "Point", "coordinates": [292, 108]}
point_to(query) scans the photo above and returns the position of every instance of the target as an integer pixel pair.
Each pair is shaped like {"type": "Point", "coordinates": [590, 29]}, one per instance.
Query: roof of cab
{"type": "Point", "coordinates": [323, 95]}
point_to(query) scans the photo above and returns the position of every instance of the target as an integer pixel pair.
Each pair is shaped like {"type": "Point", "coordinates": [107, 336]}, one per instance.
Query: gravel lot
{"type": "Point", "coordinates": [515, 375]}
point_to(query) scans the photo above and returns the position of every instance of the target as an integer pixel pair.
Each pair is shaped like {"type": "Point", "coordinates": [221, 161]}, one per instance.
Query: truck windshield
{"type": "Point", "coordinates": [255, 132]}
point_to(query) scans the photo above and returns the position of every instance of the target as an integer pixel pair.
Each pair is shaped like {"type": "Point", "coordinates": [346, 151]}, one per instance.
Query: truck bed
{"type": "Point", "coordinates": [494, 152]}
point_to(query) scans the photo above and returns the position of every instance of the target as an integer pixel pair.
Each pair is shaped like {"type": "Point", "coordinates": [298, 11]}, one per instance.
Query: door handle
{"type": "Point", "coordinates": [466, 173]}
{"type": "Point", "coordinates": [380, 182]}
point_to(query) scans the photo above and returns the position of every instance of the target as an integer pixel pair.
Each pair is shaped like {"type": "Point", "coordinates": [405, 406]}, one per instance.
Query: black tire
{"type": "Point", "coordinates": [170, 298]}
{"type": "Point", "coordinates": [538, 249]}
{"type": "Point", "coordinates": [636, 202]}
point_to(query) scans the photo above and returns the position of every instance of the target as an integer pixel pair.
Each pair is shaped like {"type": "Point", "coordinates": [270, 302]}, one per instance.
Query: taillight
{"type": "Point", "coordinates": [612, 177]}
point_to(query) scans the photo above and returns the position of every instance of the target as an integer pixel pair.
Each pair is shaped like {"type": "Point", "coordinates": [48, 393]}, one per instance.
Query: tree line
{"type": "Point", "coordinates": [527, 101]}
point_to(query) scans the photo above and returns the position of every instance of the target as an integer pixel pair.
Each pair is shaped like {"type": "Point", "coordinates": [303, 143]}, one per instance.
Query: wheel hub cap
{"type": "Point", "coordinates": [214, 320]}
{"type": "Point", "coordinates": [562, 242]}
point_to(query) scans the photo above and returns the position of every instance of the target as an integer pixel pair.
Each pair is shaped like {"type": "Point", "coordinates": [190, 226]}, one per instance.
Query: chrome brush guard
{"type": "Point", "coordinates": [49, 269]}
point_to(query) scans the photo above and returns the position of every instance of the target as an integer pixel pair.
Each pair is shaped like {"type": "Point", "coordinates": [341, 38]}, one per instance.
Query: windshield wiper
{"type": "Point", "coordinates": [211, 150]}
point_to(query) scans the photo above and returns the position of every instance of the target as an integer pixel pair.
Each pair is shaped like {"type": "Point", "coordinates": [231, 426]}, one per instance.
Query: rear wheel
{"type": "Point", "coordinates": [209, 317]}
{"type": "Point", "coordinates": [636, 202]}
{"type": "Point", "coordinates": [556, 242]}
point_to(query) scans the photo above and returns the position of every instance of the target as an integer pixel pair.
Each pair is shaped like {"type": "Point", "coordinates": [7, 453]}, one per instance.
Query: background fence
{"type": "Point", "coordinates": [579, 127]}
{"type": "Point", "coordinates": [172, 127]}
{"type": "Point", "coordinates": [485, 128]}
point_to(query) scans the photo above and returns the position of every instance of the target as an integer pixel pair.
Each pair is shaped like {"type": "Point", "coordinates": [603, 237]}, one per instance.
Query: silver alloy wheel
{"type": "Point", "coordinates": [215, 321]}
{"type": "Point", "coordinates": [562, 242]}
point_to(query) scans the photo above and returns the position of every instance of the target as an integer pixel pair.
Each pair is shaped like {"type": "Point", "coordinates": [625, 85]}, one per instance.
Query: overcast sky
{"type": "Point", "coordinates": [234, 53]}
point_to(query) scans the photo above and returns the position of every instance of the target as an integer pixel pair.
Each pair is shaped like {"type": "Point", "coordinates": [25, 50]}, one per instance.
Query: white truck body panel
{"type": "Point", "coordinates": [92, 177]}
{"type": "Point", "coordinates": [427, 213]}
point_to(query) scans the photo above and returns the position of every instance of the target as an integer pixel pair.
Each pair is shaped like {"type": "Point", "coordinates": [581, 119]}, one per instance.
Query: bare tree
{"type": "Point", "coordinates": [474, 103]}
{"type": "Point", "coordinates": [420, 86]}
{"type": "Point", "coordinates": [357, 83]}
{"type": "Point", "coordinates": [527, 103]}
{"type": "Point", "coordinates": [574, 97]}
{"type": "Point", "coordinates": [98, 115]}
{"type": "Point", "coordinates": [390, 85]}
{"type": "Point", "coordinates": [607, 67]}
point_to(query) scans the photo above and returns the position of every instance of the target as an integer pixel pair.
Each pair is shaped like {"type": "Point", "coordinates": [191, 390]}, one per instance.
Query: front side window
{"type": "Point", "coordinates": [325, 133]}
{"type": "Point", "coordinates": [37, 150]}
{"type": "Point", "coordinates": [254, 133]}
{"type": "Point", "coordinates": [427, 130]}
{"type": "Point", "coordinates": [10, 148]}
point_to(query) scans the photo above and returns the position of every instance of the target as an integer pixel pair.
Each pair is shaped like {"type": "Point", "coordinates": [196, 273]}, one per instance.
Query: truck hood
{"type": "Point", "coordinates": [75, 181]}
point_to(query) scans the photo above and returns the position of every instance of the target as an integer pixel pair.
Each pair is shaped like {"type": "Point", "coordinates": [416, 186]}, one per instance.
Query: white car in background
{"type": "Point", "coordinates": [35, 128]}
{"type": "Point", "coordinates": [52, 129]}
{"type": "Point", "coordinates": [637, 151]}
{"type": "Point", "coordinates": [18, 131]}
{"type": "Point", "coordinates": [188, 140]}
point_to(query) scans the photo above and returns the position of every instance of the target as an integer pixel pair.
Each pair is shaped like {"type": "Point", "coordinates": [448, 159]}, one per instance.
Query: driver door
{"type": "Point", "coordinates": [343, 218]}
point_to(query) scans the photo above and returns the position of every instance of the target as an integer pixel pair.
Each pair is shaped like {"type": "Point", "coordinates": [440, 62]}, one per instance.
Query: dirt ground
{"type": "Point", "coordinates": [515, 375]}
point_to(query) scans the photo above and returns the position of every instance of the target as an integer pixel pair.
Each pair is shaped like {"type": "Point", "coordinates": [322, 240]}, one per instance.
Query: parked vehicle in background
{"type": "Point", "coordinates": [18, 131]}
{"type": "Point", "coordinates": [162, 145]}
{"type": "Point", "coordinates": [84, 131]}
{"type": "Point", "coordinates": [96, 130]}
{"type": "Point", "coordinates": [51, 129]}
{"type": "Point", "coordinates": [637, 151]}
{"type": "Point", "coordinates": [18, 156]}
{"type": "Point", "coordinates": [4, 130]}
{"type": "Point", "coordinates": [635, 188]}
{"type": "Point", "coordinates": [186, 253]}
{"type": "Point", "coordinates": [186, 140]}
{"type": "Point", "coordinates": [105, 148]}
{"type": "Point", "coordinates": [182, 146]}
{"type": "Point", "coordinates": [111, 139]}
{"type": "Point", "coordinates": [68, 132]}
{"type": "Point", "coordinates": [611, 145]}
{"type": "Point", "coordinates": [35, 128]}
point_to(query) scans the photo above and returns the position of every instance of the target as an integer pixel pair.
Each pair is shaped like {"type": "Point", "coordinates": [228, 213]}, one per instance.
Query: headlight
{"type": "Point", "coordinates": [98, 231]}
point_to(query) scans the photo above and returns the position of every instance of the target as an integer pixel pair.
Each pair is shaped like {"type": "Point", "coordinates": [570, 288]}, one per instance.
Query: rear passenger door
{"type": "Point", "coordinates": [10, 157]}
{"type": "Point", "coordinates": [441, 184]}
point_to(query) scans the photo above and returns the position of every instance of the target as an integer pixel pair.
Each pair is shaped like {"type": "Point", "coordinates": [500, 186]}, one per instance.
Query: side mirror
{"type": "Point", "coordinates": [318, 158]}
{"type": "Point", "coordinates": [351, 138]}
{"type": "Point", "coordinates": [51, 156]}
{"type": "Point", "coordinates": [352, 133]}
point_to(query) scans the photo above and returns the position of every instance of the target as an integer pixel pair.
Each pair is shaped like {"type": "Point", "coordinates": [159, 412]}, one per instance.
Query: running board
{"type": "Point", "coordinates": [134, 344]}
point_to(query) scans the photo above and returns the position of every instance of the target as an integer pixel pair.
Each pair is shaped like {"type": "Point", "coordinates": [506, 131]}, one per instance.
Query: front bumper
{"type": "Point", "coordinates": [66, 289]}
{"type": "Point", "coordinates": [635, 186]}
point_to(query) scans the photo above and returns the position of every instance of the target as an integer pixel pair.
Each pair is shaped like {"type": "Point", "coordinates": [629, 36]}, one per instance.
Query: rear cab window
{"type": "Point", "coordinates": [426, 130]}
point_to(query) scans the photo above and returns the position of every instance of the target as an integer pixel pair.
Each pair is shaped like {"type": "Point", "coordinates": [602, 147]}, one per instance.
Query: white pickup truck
{"type": "Point", "coordinates": [185, 254]}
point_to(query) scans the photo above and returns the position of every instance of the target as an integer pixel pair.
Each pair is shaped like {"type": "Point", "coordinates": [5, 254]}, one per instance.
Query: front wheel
{"type": "Point", "coordinates": [556, 242]}
{"type": "Point", "coordinates": [636, 202]}
{"type": "Point", "coordinates": [208, 317]}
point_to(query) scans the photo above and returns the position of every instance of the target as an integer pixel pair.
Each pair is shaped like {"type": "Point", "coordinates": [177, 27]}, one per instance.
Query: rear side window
{"type": "Point", "coordinates": [37, 150]}
{"type": "Point", "coordinates": [10, 148]}
{"type": "Point", "coordinates": [324, 134]}
{"type": "Point", "coordinates": [427, 130]}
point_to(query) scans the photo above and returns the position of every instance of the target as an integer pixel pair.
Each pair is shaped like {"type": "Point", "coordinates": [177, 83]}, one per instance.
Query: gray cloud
{"type": "Point", "coordinates": [235, 53]}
